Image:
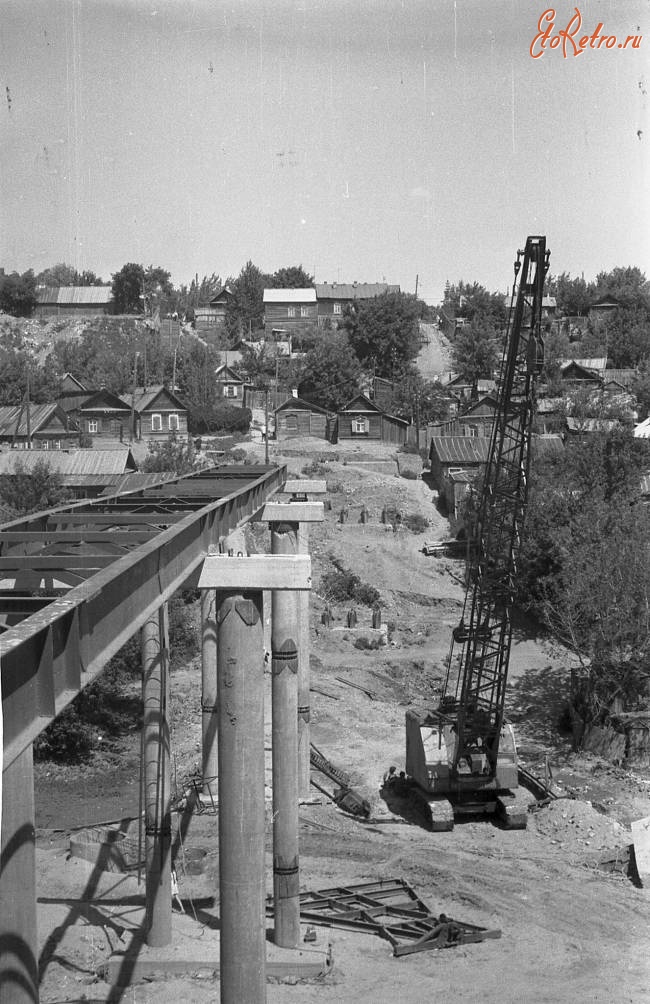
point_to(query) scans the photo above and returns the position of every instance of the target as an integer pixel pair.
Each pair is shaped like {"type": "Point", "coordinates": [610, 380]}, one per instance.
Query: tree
{"type": "Point", "coordinates": [329, 373]}
{"type": "Point", "coordinates": [67, 275]}
{"type": "Point", "coordinates": [417, 399]}
{"type": "Point", "coordinates": [475, 352]}
{"type": "Point", "coordinates": [172, 455]}
{"type": "Point", "coordinates": [584, 570]}
{"type": "Point", "coordinates": [32, 491]}
{"type": "Point", "coordinates": [245, 309]}
{"type": "Point", "coordinates": [384, 330]}
{"type": "Point", "coordinates": [473, 301]}
{"type": "Point", "coordinates": [292, 277]}
{"type": "Point", "coordinates": [17, 368]}
{"type": "Point", "coordinates": [127, 289]}
{"type": "Point", "coordinates": [105, 355]}
{"type": "Point", "coordinates": [573, 296]}
{"type": "Point", "coordinates": [18, 293]}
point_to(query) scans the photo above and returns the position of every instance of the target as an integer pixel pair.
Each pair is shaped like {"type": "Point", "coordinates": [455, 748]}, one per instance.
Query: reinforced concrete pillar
{"type": "Point", "coordinates": [210, 754]}
{"type": "Point", "coordinates": [304, 709]}
{"type": "Point", "coordinates": [18, 931]}
{"type": "Point", "coordinates": [240, 703]}
{"type": "Point", "coordinates": [157, 778]}
{"type": "Point", "coordinates": [284, 668]}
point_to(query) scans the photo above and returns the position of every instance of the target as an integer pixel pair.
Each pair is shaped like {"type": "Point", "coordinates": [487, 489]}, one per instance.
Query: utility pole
{"type": "Point", "coordinates": [416, 284]}
{"type": "Point", "coordinates": [266, 425]}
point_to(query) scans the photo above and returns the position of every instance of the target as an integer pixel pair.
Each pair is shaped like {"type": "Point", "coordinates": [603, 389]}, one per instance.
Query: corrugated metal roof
{"type": "Point", "coordinates": [598, 363]}
{"type": "Point", "coordinates": [143, 399]}
{"type": "Point", "coordinates": [73, 295]}
{"type": "Point", "coordinates": [642, 430]}
{"type": "Point", "coordinates": [77, 462]}
{"type": "Point", "coordinates": [461, 449]}
{"type": "Point", "coordinates": [624, 377]}
{"type": "Point", "coordinates": [39, 416]}
{"type": "Point", "coordinates": [129, 482]}
{"type": "Point", "coordinates": [290, 295]}
{"type": "Point", "coordinates": [353, 290]}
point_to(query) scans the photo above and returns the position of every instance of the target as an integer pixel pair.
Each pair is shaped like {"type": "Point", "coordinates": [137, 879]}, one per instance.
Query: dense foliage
{"type": "Point", "coordinates": [24, 491]}
{"type": "Point", "coordinates": [585, 571]}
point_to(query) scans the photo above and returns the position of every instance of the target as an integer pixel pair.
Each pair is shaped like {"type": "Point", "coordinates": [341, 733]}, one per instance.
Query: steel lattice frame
{"type": "Point", "coordinates": [486, 628]}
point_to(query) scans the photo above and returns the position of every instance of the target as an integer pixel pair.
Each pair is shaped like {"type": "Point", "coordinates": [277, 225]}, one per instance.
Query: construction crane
{"type": "Point", "coordinates": [461, 758]}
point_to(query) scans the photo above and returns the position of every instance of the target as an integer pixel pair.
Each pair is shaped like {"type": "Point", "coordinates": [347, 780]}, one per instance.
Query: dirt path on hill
{"type": "Point", "coordinates": [570, 931]}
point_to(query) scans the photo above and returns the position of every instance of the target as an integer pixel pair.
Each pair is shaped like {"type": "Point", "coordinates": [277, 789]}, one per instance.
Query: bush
{"type": "Point", "coordinates": [410, 475]}
{"type": "Point", "coordinates": [415, 522]}
{"type": "Point", "coordinates": [340, 585]}
{"type": "Point", "coordinates": [110, 706]}
{"type": "Point", "coordinates": [367, 644]}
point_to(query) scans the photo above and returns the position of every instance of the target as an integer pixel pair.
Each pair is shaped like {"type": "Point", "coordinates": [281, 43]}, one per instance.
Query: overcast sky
{"type": "Point", "coordinates": [365, 139]}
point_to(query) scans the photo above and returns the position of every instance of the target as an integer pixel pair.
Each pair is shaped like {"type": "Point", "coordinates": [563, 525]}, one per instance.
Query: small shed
{"type": "Point", "coordinates": [86, 473]}
{"type": "Point", "coordinates": [296, 417]}
{"type": "Point", "coordinates": [362, 419]}
{"type": "Point", "coordinates": [451, 454]}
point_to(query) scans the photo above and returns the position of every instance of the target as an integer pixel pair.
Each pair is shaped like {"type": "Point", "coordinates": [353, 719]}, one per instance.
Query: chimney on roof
{"type": "Point", "coordinates": [355, 284]}
{"type": "Point", "coordinates": [294, 392]}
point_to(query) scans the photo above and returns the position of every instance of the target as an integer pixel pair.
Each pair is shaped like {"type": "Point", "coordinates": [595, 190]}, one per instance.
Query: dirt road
{"type": "Point", "coordinates": [571, 932]}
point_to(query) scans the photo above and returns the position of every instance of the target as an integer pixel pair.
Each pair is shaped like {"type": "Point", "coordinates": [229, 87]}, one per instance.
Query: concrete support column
{"type": "Point", "coordinates": [304, 710]}
{"type": "Point", "coordinates": [18, 931]}
{"type": "Point", "coordinates": [240, 703]}
{"type": "Point", "coordinates": [209, 689]}
{"type": "Point", "coordinates": [157, 778]}
{"type": "Point", "coordinates": [284, 655]}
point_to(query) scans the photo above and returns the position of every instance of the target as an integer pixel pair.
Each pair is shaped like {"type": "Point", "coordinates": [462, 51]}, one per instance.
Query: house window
{"type": "Point", "coordinates": [156, 423]}
{"type": "Point", "coordinates": [360, 426]}
{"type": "Point", "coordinates": [470, 430]}
{"type": "Point", "coordinates": [172, 422]}
{"type": "Point", "coordinates": [291, 423]}
{"type": "Point", "coordinates": [337, 308]}
{"type": "Point", "coordinates": [230, 391]}
{"type": "Point", "coordinates": [93, 425]}
{"type": "Point", "coordinates": [304, 311]}
{"type": "Point", "coordinates": [291, 311]}
{"type": "Point", "coordinates": [44, 445]}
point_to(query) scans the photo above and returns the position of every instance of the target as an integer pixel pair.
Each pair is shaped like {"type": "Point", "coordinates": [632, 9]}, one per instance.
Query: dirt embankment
{"type": "Point", "coordinates": [571, 931]}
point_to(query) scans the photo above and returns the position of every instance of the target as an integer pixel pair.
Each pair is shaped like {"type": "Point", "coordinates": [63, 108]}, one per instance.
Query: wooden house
{"type": "Point", "coordinates": [73, 301]}
{"type": "Point", "coordinates": [362, 419]}
{"type": "Point", "coordinates": [285, 309]}
{"type": "Point", "coordinates": [583, 372]}
{"type": "Point", "coordinates": [479, 418]}
{"type": "Point", "coordinates": [213, 314]}
{"type": "Point", "coordinates": [104, 415]}
{"type": "Point", "coordinates": [37, 427]}
{"type": "Point", "coordinates": [333, 297]}
{"type": "Point", "coordinates": [449, 454]}
{"type": "Point", "coordinates": [296, 417]}
{"type": "Point", "coordinates": [158, 413]}
{"type": "Point", "coordinates": [230, 386]}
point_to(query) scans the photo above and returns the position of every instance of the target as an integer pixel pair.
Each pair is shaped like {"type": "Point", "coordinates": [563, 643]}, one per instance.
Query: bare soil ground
{"type": "Point", "coordinates": [571, 931]}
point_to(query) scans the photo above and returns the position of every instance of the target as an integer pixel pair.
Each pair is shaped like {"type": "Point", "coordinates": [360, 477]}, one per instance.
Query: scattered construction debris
{"type": "Point", "coordinates": [125, 970]}
{"type": "Point", "coordinates": [391, 909]}
{"type": "Point", "coordinates": [344, 796]}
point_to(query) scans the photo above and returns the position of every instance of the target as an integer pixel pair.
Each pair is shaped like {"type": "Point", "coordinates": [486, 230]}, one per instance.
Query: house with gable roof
{"type": "Point", "coordinates": [159, 413]}
{"type": "Point", "coordinates": [333, 297]}
{"type": "Point", "coordinates": [230, 385]}
{"type": "Point", "coordinates": [37, 426]}
{"type": "Point", "coordinates": [362, 419]}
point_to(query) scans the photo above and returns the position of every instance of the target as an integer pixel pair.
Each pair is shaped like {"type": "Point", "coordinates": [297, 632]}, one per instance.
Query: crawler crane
{"type": "Point", "coordinates": [461, 757]}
